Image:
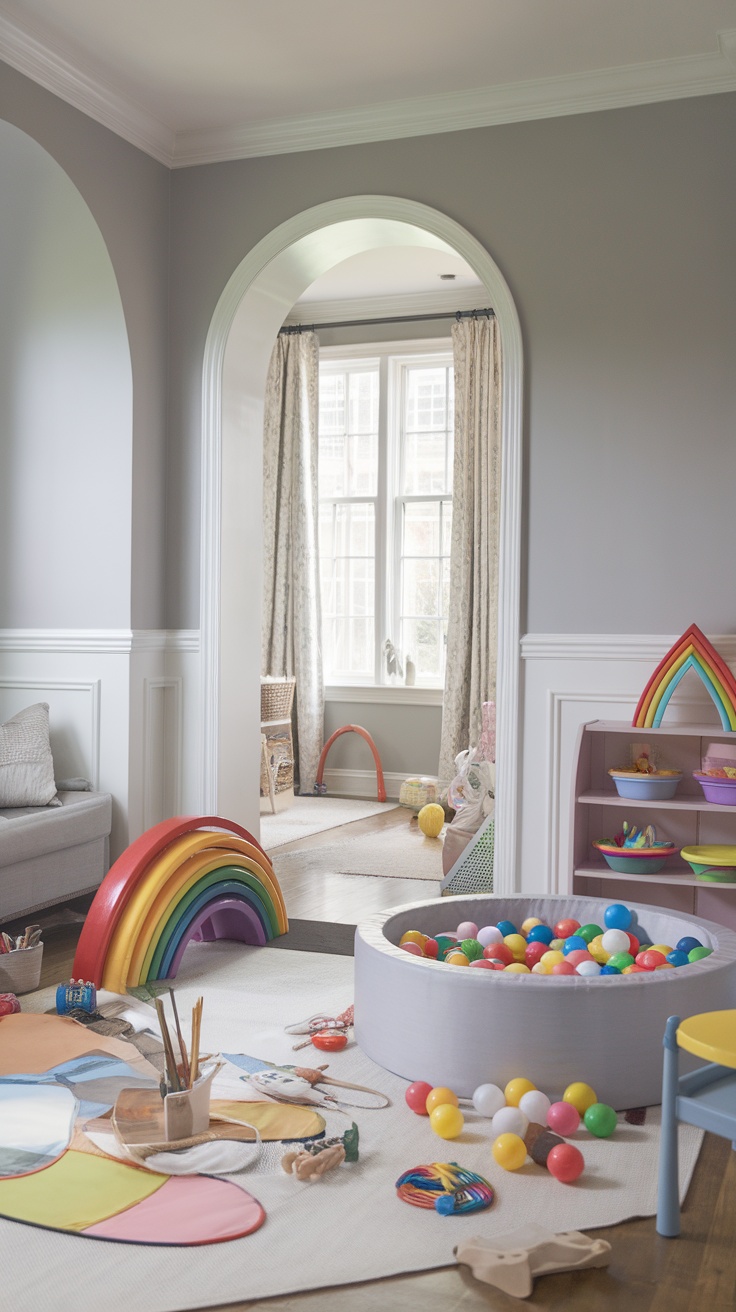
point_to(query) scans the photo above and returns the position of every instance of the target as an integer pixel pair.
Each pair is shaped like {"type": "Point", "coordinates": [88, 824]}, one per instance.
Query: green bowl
{"type": "Point", "coordinates": [634, 860]}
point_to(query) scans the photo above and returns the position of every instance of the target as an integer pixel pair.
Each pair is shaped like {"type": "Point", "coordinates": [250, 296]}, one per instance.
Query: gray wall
{"type": "Point", "coordinates": [614, 231]}
{"type": "Point", "coordinates": [128, 196]}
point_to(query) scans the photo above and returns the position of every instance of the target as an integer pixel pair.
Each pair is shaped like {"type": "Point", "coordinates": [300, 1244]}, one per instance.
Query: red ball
{"type": "Point", "coordinates": [565, 1162]}
{"type": "Point", "coordinates": [580, 954]}
{"type": "Point", "coordinates": [563, 968]}
{"type": "Point", "coordinates": [413, 949]}
{"type": "Point", "coordinates": [498, 965]}
{"type": "Point", "coordinates": [534, 951]}
{"type": "Point", "coordinates": [487, 965]}
{"type": "Point", "coordinates": [498, 952]}
{"type": "Point", "coordinates": [431, 948]}
{"type": "Point", "coordinates": [633, 943]}
{"type": "Point", "coordinates": [564, 928]}
{"type": "Point", "coordinates": [638, 970]}
{"type": "Point", "coordinates": [650, 959]}
{"type": "Point", "coordinates": [416, 1097]}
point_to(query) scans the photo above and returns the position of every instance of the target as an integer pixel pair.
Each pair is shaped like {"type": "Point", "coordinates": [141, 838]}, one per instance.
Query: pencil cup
{"type": "Point", "coordinates": [188, 1113]}
{"type": "Point", "coordinates": [20, 971]}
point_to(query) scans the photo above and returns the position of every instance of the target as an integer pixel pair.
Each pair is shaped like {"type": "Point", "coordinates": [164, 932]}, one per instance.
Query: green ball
{"type": "Point", "coordinates": [588, 932]}
{"type": "Point", "coordinates": [472, 948]}
{"type": "Point", "coordinates": [697, 954]}
{"type": "Point", "coordinates": [600, 1119]}
{"type": "Point", "coordinates": [444, 944]}
{"type": "Point", "coordinates": [620, 959]}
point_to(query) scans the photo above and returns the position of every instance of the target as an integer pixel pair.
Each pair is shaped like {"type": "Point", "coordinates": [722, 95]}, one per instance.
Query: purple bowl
{"type": "Point", "coordinates": [720, 791]}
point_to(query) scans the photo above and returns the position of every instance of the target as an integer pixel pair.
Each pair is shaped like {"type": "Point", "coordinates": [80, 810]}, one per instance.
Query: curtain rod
{"type": "Point", "coordinates": [403, 318]}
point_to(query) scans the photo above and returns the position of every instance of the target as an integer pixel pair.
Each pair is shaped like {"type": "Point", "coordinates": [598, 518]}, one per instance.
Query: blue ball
{"type": "Point", "coordinates": [687, 944]}
{"type": "Point", "coordinates": [610, 970]}
{"type": "Point", "coordinates": [506, 927]}
{"type": "Point", "coordinates": [678, 958]}
{"type": "Point", "coordinates": [540, 934]}
{"type": "Point", "coordinates": [617, 916]}
{"type": "Point", "coordinates": [574, 944]}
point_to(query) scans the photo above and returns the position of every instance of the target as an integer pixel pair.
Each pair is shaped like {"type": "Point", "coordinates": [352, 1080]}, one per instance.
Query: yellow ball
{"type": "Point", "coordinates": [529, 924]}
{"type": "Point", "coordinates": [581, 1096]}
{"type": "Point", "coordinates": [447, 1121]}
{"type": "Point", "coordinates": [550, 959]}
{"type": "Point", "coordinates": [440, 1097]}
{"type": "Point", "coordinates": [509, 1151]}
{"type": "Point", "coordinates": [431, 819]}
{"type": "Point", "coordinates": [515, 1090]}
{"type": "Point", "coordinates": [516, 943]}
{"type": "Point", "coordinates": [666, 965]}
{"type": "Point", "coordinates": [413, 936]}
{"type": "Point", "coordinates": [456, 959]}
{"type": "Point", "coordinates": [539, 969]}
{"type": "Point", "coordinates": [597, 950]}
{"type": "Point", "coordinates": [661, 947]}
{"type": "Point", "coordinates": [516, 968]}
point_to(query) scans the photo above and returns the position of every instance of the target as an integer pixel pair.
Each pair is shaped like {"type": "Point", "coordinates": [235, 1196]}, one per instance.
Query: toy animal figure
{"type": "Point", "coordinates": [319, 1155]}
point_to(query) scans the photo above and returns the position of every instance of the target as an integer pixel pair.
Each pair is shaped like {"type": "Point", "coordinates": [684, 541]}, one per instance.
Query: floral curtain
{"type": "Point", "coordinates": [291, 634]}
{"type": "Point", "coordinates": [473, 619]}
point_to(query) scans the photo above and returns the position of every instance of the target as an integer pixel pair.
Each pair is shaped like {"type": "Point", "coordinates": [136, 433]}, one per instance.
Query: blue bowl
{"type": "Point", "coordinates": [645, 787]}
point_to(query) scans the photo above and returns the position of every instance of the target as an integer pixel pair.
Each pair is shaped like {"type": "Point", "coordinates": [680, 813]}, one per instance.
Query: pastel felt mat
{"type": "Point", "coordinates": [350, 1226]}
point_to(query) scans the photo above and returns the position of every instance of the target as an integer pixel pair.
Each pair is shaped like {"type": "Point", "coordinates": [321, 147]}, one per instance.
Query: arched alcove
{"type": "Point", "coordinates": [250, 312]}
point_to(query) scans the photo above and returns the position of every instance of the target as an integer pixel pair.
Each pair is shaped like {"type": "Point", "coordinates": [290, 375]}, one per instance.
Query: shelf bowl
{"type": "Point", "coordinates": [635, 860]}
{"type": "Point", "coordinates": [715, 789]}
{"type": "Point", "coordinates": [713, 863]}
{"type": "Point", "coordinates": [645, 787]}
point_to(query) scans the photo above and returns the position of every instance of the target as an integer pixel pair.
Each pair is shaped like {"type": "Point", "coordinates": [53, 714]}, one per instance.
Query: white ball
{"type": "Point", "coordinates": [535, 1106]}
{"type": "Point", "coordinates": [588, 968]}
{"type": "Point", "coordinates": [509, 1120]}
{"type": "Point", "coordinates": [488, 1099]}
{"type": "Point", "coordinates": [489, 934]}
{"type": "Point", "coordinates": [615, 940]}
{"type": "Point", "coordinates": [468, 929]}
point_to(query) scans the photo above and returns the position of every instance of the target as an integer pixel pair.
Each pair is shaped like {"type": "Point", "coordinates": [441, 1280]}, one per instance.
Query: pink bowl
{"type": "Point", "coordinates": [715, 789]}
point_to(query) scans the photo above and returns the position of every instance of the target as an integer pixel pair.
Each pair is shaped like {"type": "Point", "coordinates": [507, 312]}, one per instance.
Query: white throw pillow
{"type": "Point", "coordinates": [26, 763]}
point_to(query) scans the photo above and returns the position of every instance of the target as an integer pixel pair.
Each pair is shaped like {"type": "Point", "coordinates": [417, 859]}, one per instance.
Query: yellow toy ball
{"type": "Point", "coordinates": [597, 950]}
{"type": "Point", "coordinates": [539, 969]}
{"type": "Point", "coordinates": [413, 936]}
{"type": "Point", "coordinates": [509, 1151]}
{"type": "Point", "coordinates": [516, 944]}
{"type": "Point", "coordinates": [581, 1096]}
{"type": "Point", "coordinates": [661, 947]}
{"type": "Point", "coordinates": [456, 959]}
{"type": "Point", "coordinates": [431, 819]}
{"type": "Point", "coordinates": [550, 959]}
{"type": "Point", "coordinates": [440, 1097]}
{"type": "Point", "coordinates": [529, 924]}
{"type": "Point", "coordinates": [516, 968]}
{"type": "Point", "coordinates": [447, 1121]}
{"type": "Point", "coordinates": [515, 1090]}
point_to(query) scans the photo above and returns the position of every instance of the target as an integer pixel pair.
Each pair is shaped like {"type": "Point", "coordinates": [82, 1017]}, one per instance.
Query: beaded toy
{"type": "Point", "coordinates": [445, 1186]}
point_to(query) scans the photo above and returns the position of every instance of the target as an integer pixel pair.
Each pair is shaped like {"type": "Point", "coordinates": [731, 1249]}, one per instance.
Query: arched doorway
{"type": "Point", "coordinates": [249, 313]}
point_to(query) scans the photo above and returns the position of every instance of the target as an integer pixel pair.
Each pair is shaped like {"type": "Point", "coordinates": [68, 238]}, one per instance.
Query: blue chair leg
{"type": "Point", "coordinates": [668, 1193]}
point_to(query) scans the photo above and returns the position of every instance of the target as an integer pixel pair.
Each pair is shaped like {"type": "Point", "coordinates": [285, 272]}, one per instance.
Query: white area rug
{"type": "Point", "coordinates": [401, 852]}
{"type": "Point", "coordinates": [350, 1226]}
{"type": "Point", "coordinates": [312, 815]}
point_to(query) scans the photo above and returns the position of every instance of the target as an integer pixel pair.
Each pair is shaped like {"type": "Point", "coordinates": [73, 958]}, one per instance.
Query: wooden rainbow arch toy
{"type": "Point", "coordinates": [193, 878]}
{"type": "Point", "coordinates": [692, 651]}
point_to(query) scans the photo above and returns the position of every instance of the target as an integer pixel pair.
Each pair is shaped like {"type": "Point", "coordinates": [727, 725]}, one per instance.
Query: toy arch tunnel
{"type": "Point", "coordinates": [321, 788]}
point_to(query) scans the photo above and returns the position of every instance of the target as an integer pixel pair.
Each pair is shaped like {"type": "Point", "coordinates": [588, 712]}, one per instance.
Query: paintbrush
{"type": "Point", "coordinates": [180, 1036]}
{"type": "Point", "coordinates": [171, 1069]}
{"type": "Point", "coordinates": [196, 1027]}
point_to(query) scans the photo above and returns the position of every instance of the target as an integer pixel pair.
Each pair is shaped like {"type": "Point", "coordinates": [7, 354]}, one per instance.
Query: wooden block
{"type": "Point", "coordinates": [539, 1142]}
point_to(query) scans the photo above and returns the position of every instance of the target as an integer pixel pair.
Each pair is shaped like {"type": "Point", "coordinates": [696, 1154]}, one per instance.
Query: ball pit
{"type": "Point", "coordinates": [417, 1017]}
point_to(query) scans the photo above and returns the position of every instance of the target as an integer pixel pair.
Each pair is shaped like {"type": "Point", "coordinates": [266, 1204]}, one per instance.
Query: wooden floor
{"type": "Point", "coordinates": [695, 1273]}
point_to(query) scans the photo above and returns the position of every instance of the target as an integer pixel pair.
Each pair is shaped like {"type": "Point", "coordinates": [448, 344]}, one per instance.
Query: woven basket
{"type": "Point", "coordinates": [280, 754]}
{"type": "Point", "coordinates": [277, 697]}
{"type": "Point", "coordinates": [20, 971]}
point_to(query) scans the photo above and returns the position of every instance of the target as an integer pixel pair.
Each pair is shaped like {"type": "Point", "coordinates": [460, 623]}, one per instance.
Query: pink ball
{"type": "Point", "coordinates": [416, 1096]}
{"type": "Point", "coordinates": [533, 953]}
{"type": "Point", "coordinates": [563, 968]}
{"type": "Point", "coordinates": [580, 954]}
{"type": "Point", "coordinates": [487, 965]}
{"type": "Point", "coordinates": [413, 949]}
{"type": "Point", "coordinates": [565, 1162]}
{"type": "Point", "coordinates": [467, 930]}
{"type": "Point", "coordinates": [563, 1118]}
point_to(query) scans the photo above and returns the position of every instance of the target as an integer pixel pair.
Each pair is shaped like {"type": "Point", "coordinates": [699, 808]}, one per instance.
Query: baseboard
{"type": "Point", "coordinates": [362, 783]}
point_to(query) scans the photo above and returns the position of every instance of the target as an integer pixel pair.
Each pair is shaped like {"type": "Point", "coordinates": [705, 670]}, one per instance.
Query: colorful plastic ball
{"type": "Point", "coordinates": [634, 943]}
{"type": "Point", "coordinates": [564, 928]}
{"type": "Point", "coordinates": [540, 934]}
{"type": "Point", "coordinates": [456, 958]}
{"type": "Point", "coordinates": [484, 965]}
{"type": "Point", "coordinates": [431, 948]}
{"type": "Point", "coordinates": [621, 960]}
{"type": "Point", "coordinates": [498, 952]}
{"type": "Point", "coordinates": [580, 1096]}
{"type": "Point", "coordinates": [516, 944]}
{"type": "Point", "coordinates": [615, 940]}
{"type": "Point", "coordinates": [489, 934]}
{"type": "Point", "coordinates": [535, 1105]}
{"type": "Point", "coordinates": [534, 953]}
{"type": "Point", "coordinates": [697, 954]}
{"type": "Point", "coordinates": [678, 957]}
{"type": "Point", "coordinates": [687, 944]}
{"type": "Point", "coordinates": [635, 970]}
{"type": "Point", "coordinates": [438, 1096]}
{"type": "Point", "coordinates": [617, 916]}
{"type": "Point", "coordinates": [563, 1118]}
{"type": "Point", "coordinates": [412, 936]}
{"type": "Point", "coordinates": [528, 925]}
{"type": "Point", "coordinates": [517, 968]}
{"type": "Point", "coordinates": [589, 932]}
{"type": "Point", "coordinates": [506, 927]}
{"type": "Point", "coordinates": [472, 948]}
{"type": "Point", "coordinates": [556, 944]}
{"type": "Point", "coordinates": [551, 958]}
{"type": "Point", "coordinates": [577, 955]}
{"type": "Point", "coordinates": [509, 1120]}
{"type": "Point", "coordinates": [413, 949]}
{"type": "Point", "coordinates": [509, 1151]}
{"type": "Point", "coordinates": [608, 969]}
{"type": "Point", "coordinates": [600, 1119]}
{"type": "Point", "coordinates": [574, 943]}
{"type": "Point", "coordinates": [595, 948]}
{"type": "Point", "coordinates": [651, 959]}
{"type": "Point", "coordinates": [515, 1089]}
{"type": "Point", "coordinates": [416, 1097]}
{"type": "Point", "coordinates": [497, 965]}
{"type": "Point", "coordinates": [431, 818]}
{"type": "Point", "coordinates": [565, 1162]}
{"type": "Point", "coordinates": [539, 969]}
{"type": "Point", "coordinates": [467, 929]}
{"type": "Point", "coordinates": [660, 947]}
{"type": "Point", "coordinates": [588, 968]}
{"type": "Point", "coordinates": [447, 1121]}
{"type": "Point", "coordinates": [562, 968]}
{"type": "Point", "coordinates": [488, 1099]}
{"type": "Point", "coordinates": [445, 945]}
{"type": "Point", "coordinates": [666, 965]}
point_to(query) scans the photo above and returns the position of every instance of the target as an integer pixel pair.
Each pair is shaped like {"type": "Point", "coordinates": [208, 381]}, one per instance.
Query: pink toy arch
{"type": "Point", "coordinates": [352, 728]}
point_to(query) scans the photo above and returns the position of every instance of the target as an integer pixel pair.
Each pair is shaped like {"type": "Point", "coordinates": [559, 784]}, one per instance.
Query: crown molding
{"type": "Point", "coordinates": [378, 307]}
{"type": "Point", "coordinates": [68, 80]}
{"type": "Point", "coordinates": [515, 102]}
{"type": "Point", "coordinates": [611, 647]}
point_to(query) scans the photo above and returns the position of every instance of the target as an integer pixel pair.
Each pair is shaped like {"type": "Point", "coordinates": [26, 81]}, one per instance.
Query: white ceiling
{"type": "Point", "coordinates": [191, 81]}
{"type": "Point", "coordinates": [410, 270]}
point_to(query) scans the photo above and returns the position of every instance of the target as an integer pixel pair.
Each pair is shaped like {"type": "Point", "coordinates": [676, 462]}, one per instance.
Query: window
{"type": "Point", "coordinates": [385, 512]}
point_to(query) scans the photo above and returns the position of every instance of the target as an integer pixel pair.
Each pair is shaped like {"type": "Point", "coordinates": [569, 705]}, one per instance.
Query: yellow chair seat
{"type": "Point", "coordinates": [711, 1036]}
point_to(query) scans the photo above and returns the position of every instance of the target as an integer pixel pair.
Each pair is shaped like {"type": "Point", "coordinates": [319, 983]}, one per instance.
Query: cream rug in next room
{"type": "Point", "coordinates": [399, 852]}
{"type": "Point", "coordinates": [311, 815]}
{"type": "Point", "coordinates": [350, 1226]}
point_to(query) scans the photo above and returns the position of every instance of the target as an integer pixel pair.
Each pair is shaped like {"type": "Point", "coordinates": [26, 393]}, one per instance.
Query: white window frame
{"type": "Point", "coordinates": [392, 358]}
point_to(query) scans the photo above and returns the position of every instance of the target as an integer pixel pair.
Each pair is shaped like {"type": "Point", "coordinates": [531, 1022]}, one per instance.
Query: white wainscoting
{"type": "Point", "coordinates": [568, 680]}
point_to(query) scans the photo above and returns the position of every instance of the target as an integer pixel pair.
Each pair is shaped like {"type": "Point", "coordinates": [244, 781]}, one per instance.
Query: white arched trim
{"type": "Point", "coordinates": [258, 296]}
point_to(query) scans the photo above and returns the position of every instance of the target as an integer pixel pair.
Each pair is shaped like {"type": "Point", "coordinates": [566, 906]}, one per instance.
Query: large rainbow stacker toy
{"type": "Point", "coordinates": [194, 878]}
{"type": "Point", "coordinates": [691, 652]}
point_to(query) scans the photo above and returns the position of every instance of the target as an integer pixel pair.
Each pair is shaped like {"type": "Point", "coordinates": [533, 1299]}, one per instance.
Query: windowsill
{"type": "Point", "coordinates": [393, 694]}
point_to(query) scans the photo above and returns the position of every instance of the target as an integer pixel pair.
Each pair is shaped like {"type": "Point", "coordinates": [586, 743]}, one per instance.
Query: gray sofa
{"type": "Point", "coordinates": [51, 854]}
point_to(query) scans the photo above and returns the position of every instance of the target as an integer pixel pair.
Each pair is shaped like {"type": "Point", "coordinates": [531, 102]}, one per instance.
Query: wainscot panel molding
{"type": "Point", "coordinates": [397, 695]}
